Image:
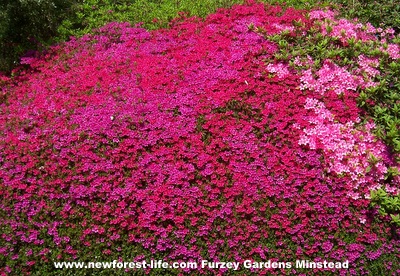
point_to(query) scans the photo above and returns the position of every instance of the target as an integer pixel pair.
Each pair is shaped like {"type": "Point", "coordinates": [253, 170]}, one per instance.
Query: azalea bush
{"type": "Point", "coordinates": [316, 54]}
{"type": "Point", "coordinates": [204, 141]}
{"type": "Point", "coordinates": [370, 60]}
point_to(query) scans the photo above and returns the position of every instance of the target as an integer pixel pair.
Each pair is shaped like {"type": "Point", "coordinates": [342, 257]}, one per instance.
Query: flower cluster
{"type": "Point", "coordinates": [331, 77]}
{"type": "Point", "coordinates": [280, 69]}
{"type": "Point", "coordinates": [348, 150]}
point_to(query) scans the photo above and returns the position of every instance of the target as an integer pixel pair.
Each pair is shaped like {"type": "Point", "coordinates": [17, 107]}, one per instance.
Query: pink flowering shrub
{"type": "Point", "coordinates": [349, 149]}
{"type": "Point", "coordinates": [183, 145]}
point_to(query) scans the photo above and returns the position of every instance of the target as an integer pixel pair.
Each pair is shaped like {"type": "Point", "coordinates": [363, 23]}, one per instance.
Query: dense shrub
{"type": "Point", "coordinates": [379, 13]}
{"type": "Point", "coordinates": [28, 25]}
{"type": "Point", "coordinates": [196, 142]}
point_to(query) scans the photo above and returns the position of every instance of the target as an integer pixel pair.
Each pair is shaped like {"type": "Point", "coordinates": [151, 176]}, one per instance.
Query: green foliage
{"type": "Point", "coordinates": [384, 102]}
{"type": "Point", "coordinates": [379, 13]}
{"type": "Point", "coordinates": [388, 205]}
{"type": "Point", "coordinates": [154, 14]}
{"type": "Point", "coordinates": [28, 25]}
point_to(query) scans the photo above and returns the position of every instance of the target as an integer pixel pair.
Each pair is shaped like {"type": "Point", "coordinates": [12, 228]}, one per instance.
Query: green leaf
{"type": "Point", "coordinates": [395, 219]}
